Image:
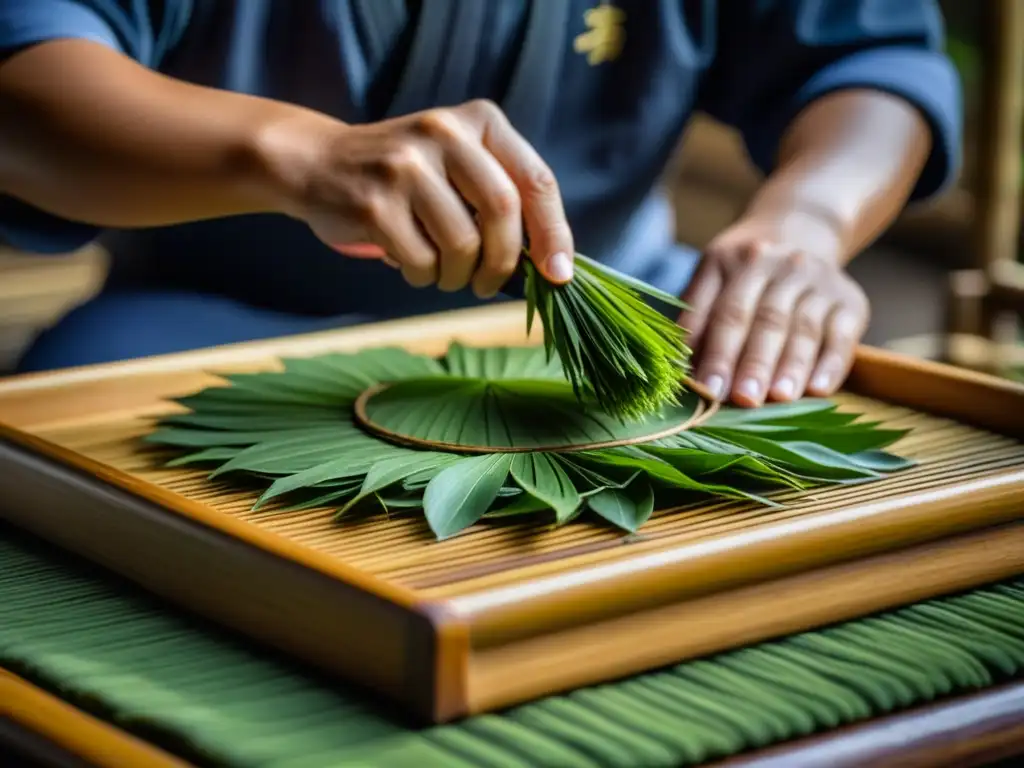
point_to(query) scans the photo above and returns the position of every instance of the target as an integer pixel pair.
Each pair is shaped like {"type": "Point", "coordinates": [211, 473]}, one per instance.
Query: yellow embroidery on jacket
{"type": "Point", "coordinates": [606, 34]}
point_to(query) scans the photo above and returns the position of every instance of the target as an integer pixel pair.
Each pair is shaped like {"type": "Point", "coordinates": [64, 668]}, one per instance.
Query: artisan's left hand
{"type": "Point", "coordinates": [770, 321]}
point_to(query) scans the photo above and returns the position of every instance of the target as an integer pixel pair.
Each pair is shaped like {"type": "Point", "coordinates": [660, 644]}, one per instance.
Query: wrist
{"type": "Point", "coordinates": [287, 146]}
{"type": "Point", "coordinates": [812, 228]}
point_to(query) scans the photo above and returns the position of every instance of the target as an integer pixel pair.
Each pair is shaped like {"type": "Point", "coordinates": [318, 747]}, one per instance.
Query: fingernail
{"type": "Point", "coordinates": [750, 388]}
{"type": "Point", "coordinates": [560, 267]}
{"type": "Point", "coordinates": [715, 385]}
{"type": "Point", "coordinates": [821, 382]}
{"type": "Point", "coordinates": [785, 389]}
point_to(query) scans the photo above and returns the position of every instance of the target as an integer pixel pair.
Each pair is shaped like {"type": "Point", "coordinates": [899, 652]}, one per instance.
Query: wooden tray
{"type": "Point", "coordinates": [500, 615]}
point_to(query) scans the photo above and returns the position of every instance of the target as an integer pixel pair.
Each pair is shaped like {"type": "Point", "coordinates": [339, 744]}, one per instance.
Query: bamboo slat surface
{"type": "Point", "coordinates": [401, 549]}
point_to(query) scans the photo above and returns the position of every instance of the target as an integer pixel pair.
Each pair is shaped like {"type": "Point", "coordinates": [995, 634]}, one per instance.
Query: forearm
{"type": "Point", "coordinates": [88, 134]}
{"type": "Point", "coordinates": [846, 167]}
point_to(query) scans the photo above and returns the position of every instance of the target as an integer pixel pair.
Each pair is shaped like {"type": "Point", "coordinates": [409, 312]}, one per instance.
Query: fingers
{"type": "Point", "coordinates": [843, 328]}
{"type": "Point", "coordinates": [360, 250]}
{"type": "Point", "coordinates": [417, 181]}
{"type": "Point", "coordinates": [445, 193]}
{"type": "Point", "coordinates": [802, 348]}
{"type": "Point", "coordinates": [486, 186]}
{"type": "Point", "coordinates": [700, 297]}
{"type": "Point", "coordinates": [728, 329]}
{"type": "Point", "coordinates": [551, 241]}
{"type": "Point", "coordinates": [448, 222]}
{"type": "Point", "coordinates": [769, 332]}
{"type": "Point", "coordinates": [366, 251]}
{"type": "Point", "coordinates": [400, 236]}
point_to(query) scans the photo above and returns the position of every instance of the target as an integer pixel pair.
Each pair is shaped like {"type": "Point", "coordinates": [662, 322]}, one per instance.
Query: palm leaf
{"type": "Point", "coordinates": [530, 414]}
{"type": "Point", "coordinates": [486, 421]}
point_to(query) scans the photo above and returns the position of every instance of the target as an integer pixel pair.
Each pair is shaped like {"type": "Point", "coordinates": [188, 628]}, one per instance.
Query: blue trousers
{"type": "Point", "coordinates": [121, 325]}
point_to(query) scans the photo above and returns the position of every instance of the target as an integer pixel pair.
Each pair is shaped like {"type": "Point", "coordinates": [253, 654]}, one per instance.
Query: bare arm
{"type": "Point", "coordinates": [88, 134]}
{"type": "Point", "coordinates": [847, 166]}
{"type": "Point", "coordinates": [774, 314]}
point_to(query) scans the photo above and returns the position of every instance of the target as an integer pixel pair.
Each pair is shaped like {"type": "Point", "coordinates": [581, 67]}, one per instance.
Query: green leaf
{"type": "Point", "coordinates": [585, 477]}
{"type": "Point", "coordinates": [772, 412]}
{"type": "Point", "coordinates": [207, 456]}
{"type": "Point", "coordinates": [628, 508]}
{"type": "Point", "coordinates": [881, 461]}
{"type": "Point", "coordinates": [390, 471]}
{"type": "Point", "coordinates": [463, 493]}
{"type": "Point", "coordinates": [501, 363]}
{"type": "Point", "coordinates": [700, 464]}
{"type": "Point", "coordinates": [805, 459]}
{"type": "Point", "coordinates": [321, 500]}
{"type": "Point", "coordinates": [636, 459]}
{"type": "Point", "coordinates": [379, 365]}
{"type": "Point", "coordinates": [400, 502]}
{"type": "Point", "coordinates": [521, 506]}
{"type": "Point", "coordinates": [541, 477]}
{"type": "Point", "coordinates": [254, 420]}
{"type": "Point", "coordinates": [818, 462]}
{"type": "Point", "coordinates": [351, 465]}
{"type": "Point", "coordinates": [214, 438]}
{"type": "Point", "coordinates": [287, 453]}
{"type": "Point", "coordinates": [269, 387]}
{"type": "Point", "coordinates": [698, 440]}
{"type": "Point", "coordinates": [853, 438]}
{"type": "Point", "coordinates": [536, 414]}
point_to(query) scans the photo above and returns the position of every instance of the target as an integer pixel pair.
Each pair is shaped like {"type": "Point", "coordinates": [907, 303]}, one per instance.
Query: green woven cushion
{"type": "Point", "coordinates": [215, 699]}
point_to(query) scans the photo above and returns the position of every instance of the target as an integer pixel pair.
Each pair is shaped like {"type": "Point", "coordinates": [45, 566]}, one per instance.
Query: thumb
{"type": "Point", "coordinates": [550, 239]}
{"type": "Point", "coordinates": [556, 267]}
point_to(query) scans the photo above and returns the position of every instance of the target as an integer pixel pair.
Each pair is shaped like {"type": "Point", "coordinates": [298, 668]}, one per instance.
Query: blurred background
{"type": "Point", "coordinates": [945, 282]}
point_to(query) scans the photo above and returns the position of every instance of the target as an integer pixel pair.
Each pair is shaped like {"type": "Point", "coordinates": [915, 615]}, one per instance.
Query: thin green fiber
{"type": "Point", "coordinates": [219, 701]}
{"type": "Point", "coordinates": [615, 347]}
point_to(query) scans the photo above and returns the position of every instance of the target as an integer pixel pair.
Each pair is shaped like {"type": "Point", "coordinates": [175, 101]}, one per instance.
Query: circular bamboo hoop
{"type": "Point", "coordinates": [707, 407]}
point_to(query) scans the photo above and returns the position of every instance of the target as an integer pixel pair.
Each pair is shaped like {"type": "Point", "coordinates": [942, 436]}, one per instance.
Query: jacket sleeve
{"type": "Point", "coordinates": [141, 29]}
{"type": "Point", "coordinates": [774, 57]}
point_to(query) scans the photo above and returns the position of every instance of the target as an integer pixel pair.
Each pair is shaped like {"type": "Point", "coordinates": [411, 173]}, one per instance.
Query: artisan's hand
{"type": "Point", "coordinates": [769, 321]}
{"type": "Point", "coordinates": [444, 193]}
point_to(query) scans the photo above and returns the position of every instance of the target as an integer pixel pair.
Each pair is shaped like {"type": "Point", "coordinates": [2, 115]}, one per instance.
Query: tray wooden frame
{"type": "Point", "coordinates": [446, 658]}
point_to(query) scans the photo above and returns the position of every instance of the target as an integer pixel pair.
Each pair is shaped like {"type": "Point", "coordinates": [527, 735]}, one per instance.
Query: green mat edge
{"type": "Point", "coordinates": [393, 749]}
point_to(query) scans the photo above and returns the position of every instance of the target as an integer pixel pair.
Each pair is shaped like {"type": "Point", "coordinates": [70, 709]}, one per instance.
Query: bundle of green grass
{"type": "Point", "coordinates": [616, 349]}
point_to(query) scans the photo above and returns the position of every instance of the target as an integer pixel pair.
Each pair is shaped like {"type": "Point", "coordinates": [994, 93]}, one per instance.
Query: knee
{"type": "Point", "coordinates": [105, 329]}
{"type": "Point", "coordinates": [123, 326]}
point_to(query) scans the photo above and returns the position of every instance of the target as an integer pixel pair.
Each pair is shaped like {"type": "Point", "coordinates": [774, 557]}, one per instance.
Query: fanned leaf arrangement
{"type": "Point", "coordinates": [469, 437]}
{"type": "Point", "coordinates": [627, 356]}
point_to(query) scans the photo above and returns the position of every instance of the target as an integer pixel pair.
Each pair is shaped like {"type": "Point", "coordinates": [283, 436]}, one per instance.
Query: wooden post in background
{"type": "Point", "coordinates": [988, 300]}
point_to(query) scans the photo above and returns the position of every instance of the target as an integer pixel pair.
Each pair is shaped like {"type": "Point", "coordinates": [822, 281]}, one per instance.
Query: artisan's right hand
{"type": "Point", "coordinates": [92, 136]}
{"type": "Point", "coordinates": [444, 194]}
